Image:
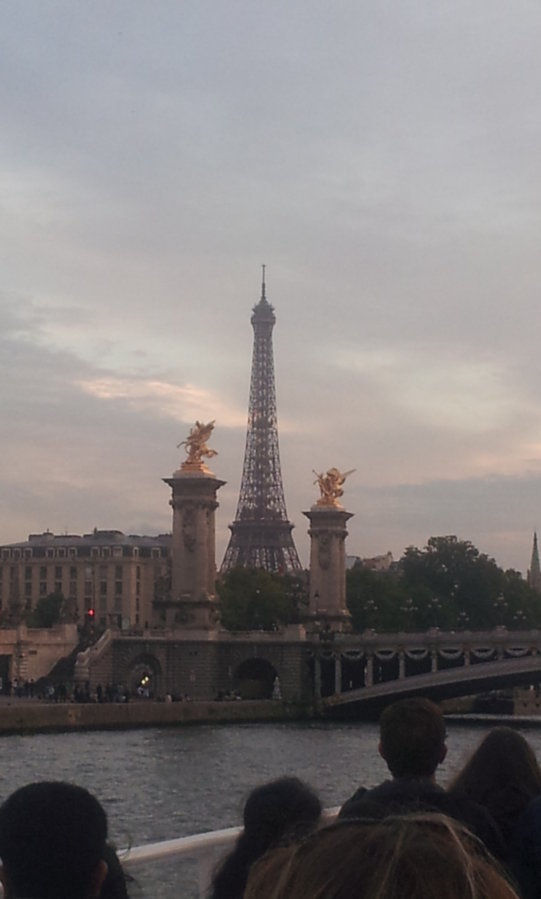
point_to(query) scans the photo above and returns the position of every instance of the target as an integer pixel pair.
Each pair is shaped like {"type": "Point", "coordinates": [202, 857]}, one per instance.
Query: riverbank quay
{"type": "Point", "coordinates": [27, 716]}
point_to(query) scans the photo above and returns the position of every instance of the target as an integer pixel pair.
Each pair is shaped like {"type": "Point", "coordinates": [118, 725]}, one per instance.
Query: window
{"type": "Point", "coordinates": [103, 603]}
{"type": "Point", "coordinates": [118, 588]}
{"type": "Point", "coordinates": [118, 572]}
{"type": "Point", "coordinates": [58, 572]}
{"type": "Point", "coordinates": [106, 552]}
{"type": "Point", "coordinates": [73, 572]}
{"type": "Point", "coordinates": [88, 588]}
{"type": "Point", "coordinates": [28, 589]}
{"type": "Point", "coordinates": [58, 586]}
{"type": "Point", "coordinates": [103, 588]}
{"type": "Point", "coordinates": [61, 553]}
{"type": "Point", "coordinates": [28, 573]}
{"type": "Point", "coordinates": [43, 572]}
{"type": "Point", "coordinates": [138, 588]}
{"type": "Point", "coordinates": [138, 571]}
{"type": "Point", "coordinates": [73, 588]}
{"type": "Point", "coordinates": [43, 588]}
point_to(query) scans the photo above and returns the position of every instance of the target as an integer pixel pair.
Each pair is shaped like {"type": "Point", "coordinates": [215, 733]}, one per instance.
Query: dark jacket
{"type": "Point", "coordinates": [419, 794]}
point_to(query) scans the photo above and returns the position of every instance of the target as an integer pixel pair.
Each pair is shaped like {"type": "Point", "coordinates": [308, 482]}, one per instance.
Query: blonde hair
{"type": "Point", "coordinates": [426, 856]}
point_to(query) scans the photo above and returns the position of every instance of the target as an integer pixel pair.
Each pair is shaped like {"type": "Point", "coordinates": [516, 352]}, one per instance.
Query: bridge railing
{"type": "Point", "coordinates": [202, 848]}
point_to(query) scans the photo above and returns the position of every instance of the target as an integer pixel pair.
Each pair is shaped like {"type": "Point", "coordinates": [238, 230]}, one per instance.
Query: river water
{"type": "Point", "coordinates": [163, 783]}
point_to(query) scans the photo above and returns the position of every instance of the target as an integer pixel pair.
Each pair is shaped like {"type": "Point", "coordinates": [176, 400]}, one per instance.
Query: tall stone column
{"type": "Point", "coordinates": [192, 601]}
{"type": "Point", "coordinates": [328, 554]}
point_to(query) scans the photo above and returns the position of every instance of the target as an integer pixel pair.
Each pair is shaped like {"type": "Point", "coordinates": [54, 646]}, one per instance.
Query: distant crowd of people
{"type": "Point", "coordinates": [407, 838]}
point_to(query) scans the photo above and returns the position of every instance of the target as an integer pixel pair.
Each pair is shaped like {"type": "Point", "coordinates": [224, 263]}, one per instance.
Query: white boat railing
{"type": "Point", "coordinates": [202, 848]}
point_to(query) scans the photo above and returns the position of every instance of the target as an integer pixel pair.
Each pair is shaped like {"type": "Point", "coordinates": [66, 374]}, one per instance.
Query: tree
{"type": "Point", "coordinates": [448, 584]}
{"type": "Point", "coordinates": [254, 599]}
{"type": "Point", "coordinates": [469, 586]}
{"type": "Point", "coordinates": [47, 612]}
{"type": "Point", "coordinates": [374, 599]}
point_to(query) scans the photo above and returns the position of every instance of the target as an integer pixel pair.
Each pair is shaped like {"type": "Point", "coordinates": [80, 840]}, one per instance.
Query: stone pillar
{"type": "Point", "coordinates": [328, 565]}
{"type": "Point", "coordinates": [434, 661]}
{"type": "Point", "coordinates": [337, 673]}
{"type": "Point", "coordinates": [369, 670]}
{"type": "Point", "coordinates": [401, 664]}
{"type": "Point", "coordinates": [317, 679]}
{"type": "Point", "coordinates": [192, 602]}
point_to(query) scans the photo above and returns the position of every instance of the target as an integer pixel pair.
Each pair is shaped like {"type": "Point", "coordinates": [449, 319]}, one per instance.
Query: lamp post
{"type": "Point", "coordinates": [370, 609]}
{"type": "Point", "coordinates": [434, 605]}
{"type": "Point", "coordinates": [500, 607]}
{"type": "Point", "coordinates": [409, 609]}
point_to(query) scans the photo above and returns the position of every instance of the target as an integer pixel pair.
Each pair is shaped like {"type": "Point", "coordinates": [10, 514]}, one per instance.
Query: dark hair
{"type": "Point", "coordinates": [115, 884]}
{"type": "Point", "coordinates": [412, 733]}
{"type": "Point", "coordinates": [503, 775]}
{"type": "Point", "coordinates": [401, 857]}
{"type": "Point", "coordinates": [52, 838]}
{"type": "Point", "coordinates": [271, 811]}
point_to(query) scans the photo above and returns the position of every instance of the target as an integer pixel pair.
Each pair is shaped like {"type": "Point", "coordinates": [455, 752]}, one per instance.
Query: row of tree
{"type": "Point", "coordinates": [449, 584]}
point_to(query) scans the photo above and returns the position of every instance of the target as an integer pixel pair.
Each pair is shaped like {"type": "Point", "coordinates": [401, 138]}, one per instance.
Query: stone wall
{"type": "Point", "coordinates": [30, 653]}
{"type": "Point", "coordinates": [202, 666]}
{"type": "Point", "coordinates": [28, 717]}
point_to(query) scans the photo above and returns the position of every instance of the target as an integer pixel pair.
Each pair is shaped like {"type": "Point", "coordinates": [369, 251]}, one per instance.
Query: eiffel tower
{"type": "Point", "coordinates": [261, 533]}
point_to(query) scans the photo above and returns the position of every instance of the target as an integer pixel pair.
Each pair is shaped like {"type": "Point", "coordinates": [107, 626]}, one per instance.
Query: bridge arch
{"type": "Point", "coordinates": [145, 676]}
{"type": "Point", "coordinates": [254, 678]}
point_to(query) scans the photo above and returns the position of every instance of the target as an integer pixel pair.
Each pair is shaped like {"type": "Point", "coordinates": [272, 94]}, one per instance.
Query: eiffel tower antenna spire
{"type": "Point", "coordinates": [261, 533]}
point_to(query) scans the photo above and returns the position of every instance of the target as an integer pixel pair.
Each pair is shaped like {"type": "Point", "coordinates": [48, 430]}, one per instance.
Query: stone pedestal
{"type": "Point", "coordinates": [192, 602]}
{"type": "Point", "coordinates": [328, 566]}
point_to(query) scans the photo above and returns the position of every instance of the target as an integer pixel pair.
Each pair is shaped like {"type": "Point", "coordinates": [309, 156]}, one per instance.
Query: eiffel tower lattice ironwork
{"type": "Point", "coordinates": [261, 533]}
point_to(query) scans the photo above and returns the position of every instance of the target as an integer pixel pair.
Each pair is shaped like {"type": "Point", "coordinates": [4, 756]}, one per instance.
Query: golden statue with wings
{"type": "Point", "coordinates": [196, 445]}
{"type": "Point", "coordinates": [330, 485]}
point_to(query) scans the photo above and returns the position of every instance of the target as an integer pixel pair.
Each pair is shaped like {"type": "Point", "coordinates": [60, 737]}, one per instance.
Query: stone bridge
{"type": "Point", "coordinates": [342, 674]}
{"type": "Point", "coordinates": [363, 671]}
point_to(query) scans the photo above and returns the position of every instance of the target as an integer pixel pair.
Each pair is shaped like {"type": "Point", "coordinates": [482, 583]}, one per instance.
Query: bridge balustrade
{"type": "Point", "coordinates": [359, 663]}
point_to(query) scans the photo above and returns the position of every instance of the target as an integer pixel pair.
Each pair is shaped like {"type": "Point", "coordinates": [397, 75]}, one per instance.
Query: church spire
{"type": "Point", "coordinates": [534, 574]}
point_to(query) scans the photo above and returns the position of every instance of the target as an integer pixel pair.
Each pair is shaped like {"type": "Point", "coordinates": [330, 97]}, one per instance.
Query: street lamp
{"type": "Point", "coordinates": [519, 619]}
{"type": "Point", "coordinates": [434, 605]}
{"type": "Point", "coordinates": [500, 607]}
{"type": "Point", "coordinates": [462, 620]}
{"type": "Point", "coordinates": [371, 610]}
{"type": "Point", "coordinates": [409, 609]}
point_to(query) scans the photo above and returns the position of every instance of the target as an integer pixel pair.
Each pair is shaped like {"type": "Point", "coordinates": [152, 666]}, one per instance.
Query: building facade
{"type": "Point", "coordinates": [107, 576]}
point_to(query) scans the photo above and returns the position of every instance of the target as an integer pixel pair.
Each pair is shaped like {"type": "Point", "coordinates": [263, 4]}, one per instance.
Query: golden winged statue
{"type": "Point", "coordinates": [330, 485]}
{"type": "Point", "coordinates": [196, 444]}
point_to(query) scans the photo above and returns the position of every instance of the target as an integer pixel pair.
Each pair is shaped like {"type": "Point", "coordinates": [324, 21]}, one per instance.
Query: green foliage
{"type": "Point", "coordinates": [448, 584]}
{"type": "Point", "coordinates": [48, 611]}
{"type": "Point", "coordinates": [253, 599]}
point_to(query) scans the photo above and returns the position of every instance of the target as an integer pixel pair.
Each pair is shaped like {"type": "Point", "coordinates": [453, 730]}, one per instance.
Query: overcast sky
{"type": "Point", "coordinates": [383, 160]}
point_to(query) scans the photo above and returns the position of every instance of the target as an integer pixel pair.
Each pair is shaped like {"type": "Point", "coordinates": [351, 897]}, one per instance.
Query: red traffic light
{"type": "Point", "coordinates": [90, 613]}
